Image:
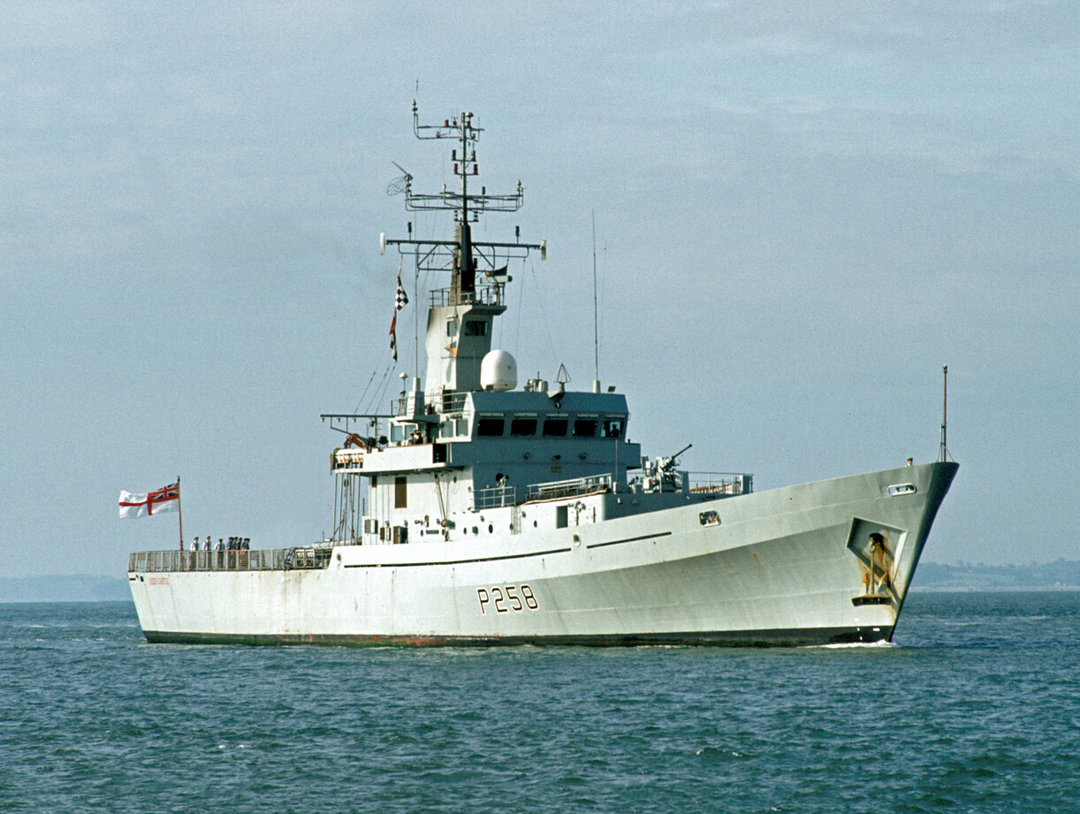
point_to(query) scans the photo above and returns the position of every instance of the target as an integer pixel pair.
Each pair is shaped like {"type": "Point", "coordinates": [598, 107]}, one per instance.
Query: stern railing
{"type": "Point", "coordinates": [275, 559]}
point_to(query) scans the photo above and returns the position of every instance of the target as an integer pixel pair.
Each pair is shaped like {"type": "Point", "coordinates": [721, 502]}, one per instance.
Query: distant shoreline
{"type": "Point", "coordinates": [1005, 589]}
{"type": "Point", "coordinates": [74, 588]}
{"type": "Point", "coordinates": [1063, 575]}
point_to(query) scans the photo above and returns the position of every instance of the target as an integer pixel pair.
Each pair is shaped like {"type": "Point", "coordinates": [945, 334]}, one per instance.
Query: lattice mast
{"type": "Point", "coordinates": [456, 366]}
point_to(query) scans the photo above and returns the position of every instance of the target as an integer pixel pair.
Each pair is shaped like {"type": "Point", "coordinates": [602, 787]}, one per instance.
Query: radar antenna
{"type": "Point", "coordinates": [462, 256]}
{"type": "Point", "coordinates": [401, 183]}
{"type": "Point", "coordinates": [465, 205]}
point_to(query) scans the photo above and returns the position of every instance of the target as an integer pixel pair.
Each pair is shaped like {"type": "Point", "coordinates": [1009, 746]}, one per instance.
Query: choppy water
{"type": "Point", "coordinates": [974, 708]}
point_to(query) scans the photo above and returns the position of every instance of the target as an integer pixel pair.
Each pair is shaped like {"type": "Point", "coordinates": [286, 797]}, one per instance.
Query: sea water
{"type": "Point", "coordinates": [975, 707]}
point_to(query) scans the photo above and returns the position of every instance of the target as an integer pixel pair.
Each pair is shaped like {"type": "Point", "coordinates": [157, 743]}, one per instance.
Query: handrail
{"type": "Point", "coordinates": [721, 483]}
{"type": "Point", "coordinates": [276, 559]}
{"type": "Point", "coordinates": [495, 497]}
{"type": "Point", "coordinates": [575, 487]}
{"type": "Point", "coordinates": [483, 295]}
{"type": "Point", "coordinates": [444, 404]}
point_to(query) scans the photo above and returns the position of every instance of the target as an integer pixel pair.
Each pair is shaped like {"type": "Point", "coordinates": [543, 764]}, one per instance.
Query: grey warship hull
{"type": "Point", "coordinates": [790, 566]}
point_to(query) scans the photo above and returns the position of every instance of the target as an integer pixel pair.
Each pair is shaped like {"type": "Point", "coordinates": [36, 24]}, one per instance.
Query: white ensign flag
{"type": "Point", "coordinates": [166, 499]}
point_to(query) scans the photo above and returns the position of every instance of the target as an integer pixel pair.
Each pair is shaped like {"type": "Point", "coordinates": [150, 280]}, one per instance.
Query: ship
{"type": "Point", "coordinates": [477, 510]}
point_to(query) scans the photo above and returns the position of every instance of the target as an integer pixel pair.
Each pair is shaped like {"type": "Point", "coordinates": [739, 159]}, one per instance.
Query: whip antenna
{"type": "Point", "coordinates": [943, 452]}
{"type": "Point", "coordinates": [596, 326]}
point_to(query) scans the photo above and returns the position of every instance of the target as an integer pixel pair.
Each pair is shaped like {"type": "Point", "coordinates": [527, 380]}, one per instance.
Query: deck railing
{"type": "Point", "coordinates": [495, 497]}
{"type": "Point", "coordinates": [483, 295]}
{"type": "Point", "coordinates": [569, 488]}
{"type": "Point", "coordinates": [276, 559]}
{"type": "Point", "coordinates": [721, 483]}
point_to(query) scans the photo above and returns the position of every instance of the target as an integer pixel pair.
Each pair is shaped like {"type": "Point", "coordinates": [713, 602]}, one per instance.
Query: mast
{"type": "Point", "coordinates": [460, 317]}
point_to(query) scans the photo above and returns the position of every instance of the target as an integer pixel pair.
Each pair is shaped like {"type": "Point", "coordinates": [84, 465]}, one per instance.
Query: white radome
{"type": "Point", "coordinates": [498, 371]}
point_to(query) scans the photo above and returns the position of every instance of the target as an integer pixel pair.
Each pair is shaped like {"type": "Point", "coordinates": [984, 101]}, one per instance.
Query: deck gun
{"type": "Point", "coordinates": [660, 476]}
{"type": "Point", "coordinates": [665, 464]}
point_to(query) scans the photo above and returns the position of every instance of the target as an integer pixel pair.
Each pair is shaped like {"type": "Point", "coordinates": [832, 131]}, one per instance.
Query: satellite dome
{"type": "Point", "coordinates": [498, 371]}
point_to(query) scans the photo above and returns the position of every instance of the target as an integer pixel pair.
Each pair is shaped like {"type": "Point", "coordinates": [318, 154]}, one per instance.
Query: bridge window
{"type": "Point", "coordinates": [454, 427]}
{"type": "Point", "coordinates": [475, 328]}
{"type": "Point", "coordinates": [613, 428]}
{"type": "Point", "coordinates": [489, 426]}
{"type": "Point", "coordinates": [523, 426]}
{"type": "Point", "coordinates": [584, 428]}
{"type": "Point", "coordinates": [555, 427]}
{"type": "Point", "coordinates": [400, 432]}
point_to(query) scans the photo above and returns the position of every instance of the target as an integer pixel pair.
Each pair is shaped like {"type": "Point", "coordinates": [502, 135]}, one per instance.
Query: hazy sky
{"type": "Point", "coordinates": [802, 211]}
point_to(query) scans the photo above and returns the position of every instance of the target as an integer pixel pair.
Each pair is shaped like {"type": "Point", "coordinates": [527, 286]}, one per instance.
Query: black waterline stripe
{"type": "Point", "coordinates": [783, 637]}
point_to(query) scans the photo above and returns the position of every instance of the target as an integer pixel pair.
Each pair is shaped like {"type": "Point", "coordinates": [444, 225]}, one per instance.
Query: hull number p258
{"type": "Point", "coordinates": [506, 598]}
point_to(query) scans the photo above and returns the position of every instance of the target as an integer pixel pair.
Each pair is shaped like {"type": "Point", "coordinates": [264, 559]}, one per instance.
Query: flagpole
{"type": "Point", "coordinates": [180, 512]}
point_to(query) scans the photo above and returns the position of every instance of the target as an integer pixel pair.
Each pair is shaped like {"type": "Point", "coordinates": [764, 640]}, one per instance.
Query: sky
{"type": "Point", "coordinates": [802, 212]}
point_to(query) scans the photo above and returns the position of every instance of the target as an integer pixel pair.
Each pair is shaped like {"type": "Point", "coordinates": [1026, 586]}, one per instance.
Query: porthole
{"type": "Point", "coordinates": [491, 529]}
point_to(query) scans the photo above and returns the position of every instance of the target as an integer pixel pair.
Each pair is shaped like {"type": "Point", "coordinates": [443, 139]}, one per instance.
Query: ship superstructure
{"type": "Point", "coordinates": [476, 511]}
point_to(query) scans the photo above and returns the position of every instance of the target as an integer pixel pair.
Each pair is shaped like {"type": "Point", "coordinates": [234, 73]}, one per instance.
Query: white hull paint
{"type": "Point", "coordinates": [781, 567]}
